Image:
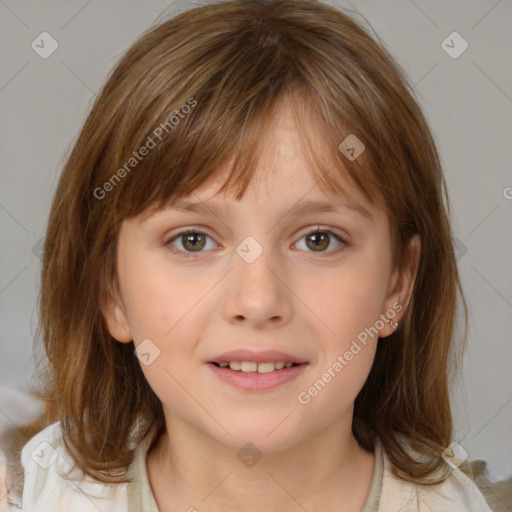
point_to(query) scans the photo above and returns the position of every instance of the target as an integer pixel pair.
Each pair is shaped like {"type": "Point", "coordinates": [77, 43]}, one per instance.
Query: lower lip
{"type": "Point", "coordinates": [254, 381]}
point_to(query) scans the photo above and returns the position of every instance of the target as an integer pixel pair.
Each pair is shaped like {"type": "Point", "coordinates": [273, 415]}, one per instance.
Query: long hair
{"type": "Point", "coordinates": [197, 91]}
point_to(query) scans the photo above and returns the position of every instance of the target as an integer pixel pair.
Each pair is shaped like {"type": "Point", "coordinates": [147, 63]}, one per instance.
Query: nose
{"type": "Point", "coordinates": [257, 292]}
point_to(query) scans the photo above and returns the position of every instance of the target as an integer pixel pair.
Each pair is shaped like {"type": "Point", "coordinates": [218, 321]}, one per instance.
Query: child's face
{"type": "Point", "coordinates": [309, 297]}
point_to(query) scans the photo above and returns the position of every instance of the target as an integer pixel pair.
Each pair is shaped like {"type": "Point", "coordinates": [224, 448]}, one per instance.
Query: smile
{"type": "Point", "coordinates": [252, 366]}
{"type": "Point", "coordinates": [252, 376]}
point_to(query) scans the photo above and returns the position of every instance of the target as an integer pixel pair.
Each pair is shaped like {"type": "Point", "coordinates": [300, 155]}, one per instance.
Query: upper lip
{"type": "Point", "coordinates": [261, 356]}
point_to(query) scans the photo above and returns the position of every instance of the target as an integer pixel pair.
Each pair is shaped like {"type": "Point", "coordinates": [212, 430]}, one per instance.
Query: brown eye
{"type": "Point", "coordinates": [317, 241]}
{"type": "Point", "coordinates": [193, 241]}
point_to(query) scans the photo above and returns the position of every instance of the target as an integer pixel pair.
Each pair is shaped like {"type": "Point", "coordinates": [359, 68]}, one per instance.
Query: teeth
{"type": "Point", "coordinates": [251, 366]}
{"type": "Point", "coordinates": [248, 367]}
{"type": "Point", "coordinates": [266, 367]}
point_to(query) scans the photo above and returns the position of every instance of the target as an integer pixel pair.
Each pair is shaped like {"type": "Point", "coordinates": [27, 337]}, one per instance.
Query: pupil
{"type": "Point", "coordinates": [322, 244]}
{"type": "Point", "coordinates": [192, 239]}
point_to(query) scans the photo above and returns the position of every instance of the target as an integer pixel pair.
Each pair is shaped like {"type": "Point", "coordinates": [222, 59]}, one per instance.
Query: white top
{"type": "Point", "coordinates": [44, 459]}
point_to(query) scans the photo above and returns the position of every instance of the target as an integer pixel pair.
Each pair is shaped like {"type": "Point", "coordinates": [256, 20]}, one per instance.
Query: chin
{"type": "Point", "coordinates": [267, 436]}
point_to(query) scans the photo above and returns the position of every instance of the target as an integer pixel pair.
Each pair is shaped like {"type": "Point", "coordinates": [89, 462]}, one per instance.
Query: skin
{"type": "Point", "coordinates": [307, 303]}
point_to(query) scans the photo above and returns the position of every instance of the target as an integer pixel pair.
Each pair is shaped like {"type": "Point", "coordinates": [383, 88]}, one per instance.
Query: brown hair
{"type": "Point", "coordinates": [233, 63]}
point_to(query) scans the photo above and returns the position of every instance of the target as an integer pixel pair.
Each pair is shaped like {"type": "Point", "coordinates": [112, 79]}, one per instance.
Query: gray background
{"type": "Point", "coordinates": [467, 100]}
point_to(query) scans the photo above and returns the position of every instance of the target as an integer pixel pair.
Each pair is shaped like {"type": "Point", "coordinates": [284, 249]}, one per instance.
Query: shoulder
{"type": "Point", "coordinates": [46, 463]}
{"type": "Point", "coordinates": [8, 501]}
{"type": "Point", "coordinates": [458, 493]}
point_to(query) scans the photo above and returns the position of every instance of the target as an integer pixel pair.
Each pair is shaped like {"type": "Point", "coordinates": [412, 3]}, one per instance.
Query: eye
{"type": "Point", "coordinates": [318, 240]}
{"type": "Point", "coordinates": [192, 240]}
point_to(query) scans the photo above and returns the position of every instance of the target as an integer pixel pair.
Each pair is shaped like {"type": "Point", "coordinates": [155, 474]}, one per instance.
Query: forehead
{"type": "Point", "coordinates": [288, 189]}
{"type": "Point", "coordinates": [284, 173]}
{"type": "Point", "coordinates": [293, 163]}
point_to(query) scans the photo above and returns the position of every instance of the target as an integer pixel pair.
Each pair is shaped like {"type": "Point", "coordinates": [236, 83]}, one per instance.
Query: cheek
{"type": "Point", "coordinates": [170, 313]}
{"type": "Point", "coordinates": [158, 300]}
{"type": "Point", "coordinates": [360, 290]}
{"type": "Point", "coordinates": [350, 306]}
{"type": "Point", "coordinates": [165, 308]}
{"type": "Point", "coordinates": [348, 299]}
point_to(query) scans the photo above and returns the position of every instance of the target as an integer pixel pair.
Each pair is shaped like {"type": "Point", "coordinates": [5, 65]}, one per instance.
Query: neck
{"type": "Point", "coordinates": [188, 469]}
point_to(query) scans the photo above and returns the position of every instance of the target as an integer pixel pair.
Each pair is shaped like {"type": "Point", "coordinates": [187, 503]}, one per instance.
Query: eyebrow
{"type": "Point", "coordinates": [301, 208]}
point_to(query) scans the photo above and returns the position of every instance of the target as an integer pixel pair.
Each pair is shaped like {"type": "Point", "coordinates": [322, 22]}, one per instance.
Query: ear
{"type": "Point", "coordinates": [115, 317]}
{"type": "Point", "coordinates": [400, 289]}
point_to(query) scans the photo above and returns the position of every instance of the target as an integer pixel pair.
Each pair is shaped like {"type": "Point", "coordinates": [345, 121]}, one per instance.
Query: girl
{"type": "Point", "coordinates": [249, 289]}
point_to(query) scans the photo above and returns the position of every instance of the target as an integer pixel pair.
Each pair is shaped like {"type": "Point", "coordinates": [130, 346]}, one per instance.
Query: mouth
{"type": "Point", "coordinates": [254, 367]}
{"type": "Point", "coordinates": [249, 370]}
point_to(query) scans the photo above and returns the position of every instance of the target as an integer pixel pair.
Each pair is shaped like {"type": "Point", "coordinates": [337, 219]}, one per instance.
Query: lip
{"type": "Point", "coordinates": [254, 381]}
{"type": "Point", "coordinates": [262, 356]}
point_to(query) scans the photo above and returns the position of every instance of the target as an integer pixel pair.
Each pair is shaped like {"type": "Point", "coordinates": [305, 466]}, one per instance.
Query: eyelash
{"type": "Point", "coordinates": [193, 230]}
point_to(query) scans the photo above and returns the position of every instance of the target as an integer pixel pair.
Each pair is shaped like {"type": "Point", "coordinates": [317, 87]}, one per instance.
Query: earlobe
{"type": "Point", "coordinates": [115, 319]}
{"type": "Point", "coordinates": [403, 285]}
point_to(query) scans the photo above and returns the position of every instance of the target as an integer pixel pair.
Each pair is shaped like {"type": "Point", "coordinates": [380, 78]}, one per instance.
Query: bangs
{"type": "Point", "coordinates": [200, 151]}
{"type": "Point", "coordinates": [177, 130]}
